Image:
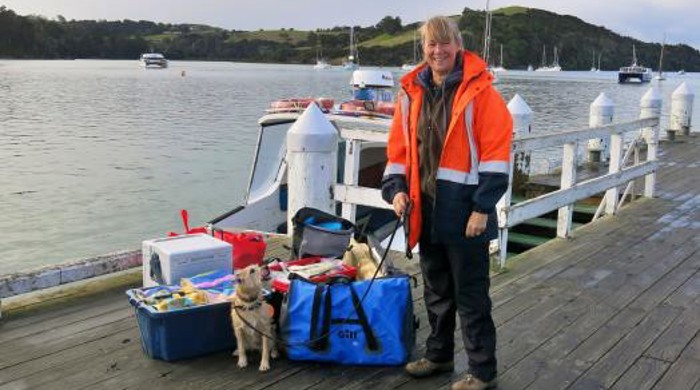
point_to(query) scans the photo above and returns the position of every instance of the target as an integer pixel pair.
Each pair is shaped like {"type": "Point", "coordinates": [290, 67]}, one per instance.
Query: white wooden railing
{"type": "Point", "coordinates": [571, 191]}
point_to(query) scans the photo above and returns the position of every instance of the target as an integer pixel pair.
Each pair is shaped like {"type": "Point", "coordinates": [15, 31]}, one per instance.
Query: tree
{"type": "Point", "coordinates": [389, 25]}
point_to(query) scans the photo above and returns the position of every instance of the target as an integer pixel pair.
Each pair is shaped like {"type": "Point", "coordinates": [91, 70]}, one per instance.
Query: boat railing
{"type": "Point", "coordinates": [619, 173]}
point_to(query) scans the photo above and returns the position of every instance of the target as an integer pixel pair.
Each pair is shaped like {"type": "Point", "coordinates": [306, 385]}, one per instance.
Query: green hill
{"type": "Point", "coordinates": [522, 31]}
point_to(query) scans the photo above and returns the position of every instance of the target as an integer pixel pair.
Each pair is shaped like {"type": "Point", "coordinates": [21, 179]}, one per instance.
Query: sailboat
{"type": "Point", "coordinates": [500, 67]}
{"type": "Point", "coordinates": [549, 68]}
{"type": "Point", "coordinates": [412, 65]}
{"type": "Point", "coordinates": [321, 63]}
{"type": "Point", "coordinates": [350, 63]}
{"type": "Point", "coordinates": [660, 76]}
{"type": "Point", "coordinates": [593, 68]}
{"type": "Point", "coordinates": [487, 43]}
{"type": "Point", "coordinates": [599, 56]}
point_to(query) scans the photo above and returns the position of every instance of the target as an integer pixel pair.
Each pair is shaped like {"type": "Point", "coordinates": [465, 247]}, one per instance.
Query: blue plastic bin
{"type": "Point", "coordinates": [184, 333]}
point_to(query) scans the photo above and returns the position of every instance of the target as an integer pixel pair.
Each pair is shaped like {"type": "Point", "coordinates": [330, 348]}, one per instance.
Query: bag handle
{"type": "Point", "coordinates": [318, 341]}
{"type": "Point", "coordinates": [372, 343]}
{"type": "Point", "coordinates": [321, 343]}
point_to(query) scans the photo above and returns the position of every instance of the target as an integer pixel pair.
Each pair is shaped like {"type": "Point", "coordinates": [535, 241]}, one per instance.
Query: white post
{"type": "Point", "coordinates": [522, 126]}
{"type": "Point", "coordinates": [312, 156]}
{"type": "Point", "coordinates": [601, 113]}
{"type": "Point", "coordinates": [681, 109]}
{"type": "Point", "coordinates": [650, 106]}
{"type": "Point", "coordinates": [568, 179]}
{"type": "Point", "coordinates": [612, 195]}
{"type": "Point", "coordinates": [351, 174]}
{"type": "Point", "coordinates": [520, 167]}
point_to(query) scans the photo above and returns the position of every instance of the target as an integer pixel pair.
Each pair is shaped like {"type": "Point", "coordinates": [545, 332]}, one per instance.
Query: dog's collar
{"type": "Point", "coordinates": [244, 304]}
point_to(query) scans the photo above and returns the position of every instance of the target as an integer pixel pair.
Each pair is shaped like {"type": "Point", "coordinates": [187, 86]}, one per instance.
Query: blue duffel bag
{"type": "Point", "coordinates": [331, 322]}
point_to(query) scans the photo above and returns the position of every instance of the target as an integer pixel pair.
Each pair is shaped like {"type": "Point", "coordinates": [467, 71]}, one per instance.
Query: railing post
{"type": "Point", "coordinates": [650, 106]}
{"type": "Point", "coordinates": [681, 109]}
{"type": "Point", "coordinates": [612, 195]}
{"type": "Point", "coordinates": [568, 179]}
{"type": "Point", "coordinates": [601, 113]}
{"type": "Point", "coordinates": [312, 158]}
{"type": "Point", "coordinates": [503, 217]}
{"type": "Point", "coordinates": [351, 174]}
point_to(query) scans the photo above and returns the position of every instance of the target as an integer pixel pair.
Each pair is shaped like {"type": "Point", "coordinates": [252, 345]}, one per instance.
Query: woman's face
{"type": "Point", "coordinates": [440, 56]}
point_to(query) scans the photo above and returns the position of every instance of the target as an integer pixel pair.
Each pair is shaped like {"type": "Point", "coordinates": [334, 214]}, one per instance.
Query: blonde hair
{"type": "Point", "coordinates": [440, 29]}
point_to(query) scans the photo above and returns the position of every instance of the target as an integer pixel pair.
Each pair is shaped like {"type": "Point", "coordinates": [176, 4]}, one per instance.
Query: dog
{"type": "Point", "coordinates": [251, 317]}
{"type": "Point", "coordinates": [361, 257]}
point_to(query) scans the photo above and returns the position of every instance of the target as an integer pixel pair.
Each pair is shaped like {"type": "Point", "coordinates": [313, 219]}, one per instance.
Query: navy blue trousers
{"type": "Point", "coordinates": [456, 281]}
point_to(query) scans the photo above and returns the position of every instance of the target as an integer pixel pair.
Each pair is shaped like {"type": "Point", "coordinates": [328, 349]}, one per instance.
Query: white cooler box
{"type": "Point", "coordinates": [167, 260]}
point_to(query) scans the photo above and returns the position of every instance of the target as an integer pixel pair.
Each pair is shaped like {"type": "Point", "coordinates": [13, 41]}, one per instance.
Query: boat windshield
{"type": "Point", "coordinates": [268, 159]}
{"type": "Point", "coordinates": [376, 94]}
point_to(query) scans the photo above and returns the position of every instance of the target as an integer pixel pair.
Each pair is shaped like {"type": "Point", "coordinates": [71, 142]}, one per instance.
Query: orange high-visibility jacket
{"type": "Point", "coordinates": [478, 140]}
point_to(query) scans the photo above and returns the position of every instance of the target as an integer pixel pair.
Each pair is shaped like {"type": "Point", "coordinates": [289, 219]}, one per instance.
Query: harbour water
{"type": "Point", "coordinates": [96, 156]}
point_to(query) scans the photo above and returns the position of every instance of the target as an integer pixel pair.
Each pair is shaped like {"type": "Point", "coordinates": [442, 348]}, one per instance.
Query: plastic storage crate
{"type": "Point", "coordinates": [184, 333]}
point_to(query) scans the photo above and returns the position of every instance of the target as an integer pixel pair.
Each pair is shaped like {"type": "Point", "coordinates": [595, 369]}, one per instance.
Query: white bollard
{"type": "Point", "coordinates": [312, 157]}
{"type": "Point", "coordinates": [681, 109]}
{"type": "Point", "coordinates": [601, 113]}
{"type": "Point", "coordinates": [650, 107]}
{"type": "Point", "coordinates": [522, 126]}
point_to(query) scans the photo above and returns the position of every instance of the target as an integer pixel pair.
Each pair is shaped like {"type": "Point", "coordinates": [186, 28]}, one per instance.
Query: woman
{"type": "Point", "coordinates": [448, 157]}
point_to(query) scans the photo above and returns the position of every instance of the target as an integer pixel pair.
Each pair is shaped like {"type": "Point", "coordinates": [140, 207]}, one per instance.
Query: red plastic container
{"type": "Point", "coordinates": [283, 285]}
{"type": "Point", "coordinates": [248, 247]}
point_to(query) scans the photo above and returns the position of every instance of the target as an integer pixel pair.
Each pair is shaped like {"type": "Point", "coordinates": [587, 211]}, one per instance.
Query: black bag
{"type": "Point", "coordinates": [317, 233]}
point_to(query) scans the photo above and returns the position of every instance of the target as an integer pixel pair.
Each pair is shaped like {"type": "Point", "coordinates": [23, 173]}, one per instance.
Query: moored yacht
{"type": "Point", "coordinates": [634, 72]}
{"type": "Point", "coordinates": [153, 60]}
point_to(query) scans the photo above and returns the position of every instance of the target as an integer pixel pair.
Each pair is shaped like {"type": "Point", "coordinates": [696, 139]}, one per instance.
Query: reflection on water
{"type": "Point", "coordinates": [99, 155]}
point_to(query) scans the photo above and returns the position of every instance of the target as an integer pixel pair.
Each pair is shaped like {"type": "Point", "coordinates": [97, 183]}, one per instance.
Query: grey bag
{"type": "Point", "coordinates": [317, 233]}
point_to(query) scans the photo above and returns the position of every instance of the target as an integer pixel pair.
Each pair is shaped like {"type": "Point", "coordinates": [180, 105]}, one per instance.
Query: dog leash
{"type": "Point", "coordinates": [401, 221]}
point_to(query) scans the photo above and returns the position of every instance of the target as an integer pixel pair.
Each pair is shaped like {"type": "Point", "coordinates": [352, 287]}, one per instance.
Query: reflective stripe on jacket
{"type": "Point", "coordinates": [478, 140]}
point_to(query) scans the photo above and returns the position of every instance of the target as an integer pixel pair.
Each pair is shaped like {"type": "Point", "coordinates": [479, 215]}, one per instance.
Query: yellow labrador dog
{"type": "Point", "coordinates": [251, 316]}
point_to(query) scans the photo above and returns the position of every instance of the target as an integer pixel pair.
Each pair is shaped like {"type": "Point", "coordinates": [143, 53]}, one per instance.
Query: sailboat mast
{"type": "Point", "coordinates": [487, 34]}
{"type": "Point", "coordinates": [661, 57]}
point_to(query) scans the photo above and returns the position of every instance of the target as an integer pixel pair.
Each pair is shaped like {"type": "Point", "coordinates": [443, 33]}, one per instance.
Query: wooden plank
{"type": "Point", "coordinates": [606, 371]}
{"type": "Point", "coordinates": [642, 375]}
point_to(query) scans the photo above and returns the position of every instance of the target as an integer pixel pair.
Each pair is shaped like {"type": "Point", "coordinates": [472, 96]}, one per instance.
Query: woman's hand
{"type": "Point", "coordinates": [400, 203]}
{"type": "Point", "coordinates": [476, 224]}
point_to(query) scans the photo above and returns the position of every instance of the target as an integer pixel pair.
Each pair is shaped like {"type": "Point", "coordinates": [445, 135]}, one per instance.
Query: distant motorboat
{"type": "Point", "coordinates": [634, 72]}
{"type": "Point", "coordinates": [529, 68]}
{"type": "Point", "coordinates": [680, 72]}
{"type": "Point", "coordinates": [408, 67]}
{"type": "Point", "coordinates": [153, 60]}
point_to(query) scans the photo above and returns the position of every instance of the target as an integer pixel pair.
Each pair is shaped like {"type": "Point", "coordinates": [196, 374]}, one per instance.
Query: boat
{"type": "Point", "coordinates": [680, 72]}
{"type": "Point", "coordinates": [634, 72]}
{"type": "Point", "coordinates": [486, 53]}
{"type": "Point", "coordinates": [549, 68]}
{"type": "Point", "coordinates": [660, 76]}
{"type": "Point", "coordinates": [372, 94]}
{"type": "Point", "coordinates": [321, 63]}
{"type": "Point", "coordinates": [412, 65]}
{"type": "Point", "coordinates": [530, 68]}
{"type": "Point", "coordinates": [500, 67]}
{"type": "Point", "coordinates": [153, 60]}
{"type": "Point", "coordinates": [593, 67]}
{"type": "Point", "coordinates": [350, 63]}
{"type": "Point", "coordinates": [264, 207]}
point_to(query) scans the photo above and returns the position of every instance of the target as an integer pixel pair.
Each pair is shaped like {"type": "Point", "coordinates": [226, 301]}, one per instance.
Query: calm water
{"type": "Point", "coordinates": [96, 156]}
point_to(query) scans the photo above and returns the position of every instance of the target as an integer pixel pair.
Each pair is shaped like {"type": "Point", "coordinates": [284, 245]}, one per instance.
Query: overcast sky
{"type": "Point", "coordinates": [647, 20]}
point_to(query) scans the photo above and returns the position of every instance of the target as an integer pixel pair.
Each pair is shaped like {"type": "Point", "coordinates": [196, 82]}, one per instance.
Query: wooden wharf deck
{"type": "Point", "coordinates": [617, 306]}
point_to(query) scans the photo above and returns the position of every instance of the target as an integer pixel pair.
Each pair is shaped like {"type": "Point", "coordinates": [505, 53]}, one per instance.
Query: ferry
{"type": "Point", "coordinates": [153, 60]}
